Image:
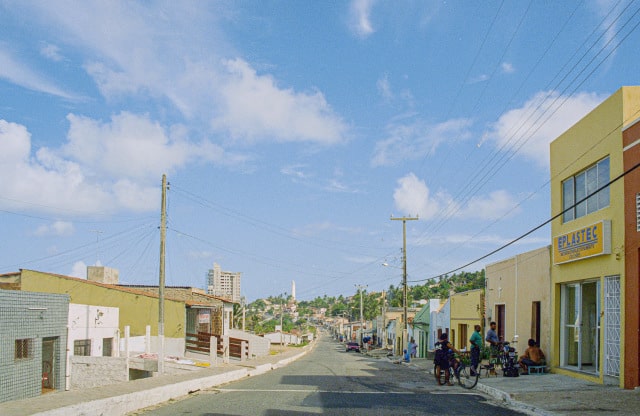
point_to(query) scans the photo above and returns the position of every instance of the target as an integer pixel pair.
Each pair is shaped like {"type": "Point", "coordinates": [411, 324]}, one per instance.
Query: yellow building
{"type": "Point", "coordinates": [588, 268]}
{"type": "Point", "coordinates": [518, 298]}
{"type": "Point", "coordinates": [137, 308]}
{"type": "Point", "coordinates": [466, 312]}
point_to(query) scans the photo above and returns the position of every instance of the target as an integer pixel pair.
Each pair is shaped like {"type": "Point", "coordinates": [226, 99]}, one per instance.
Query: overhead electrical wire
{"type": "Point", "coordinates": [622, 175]}
{"type": "Point", "coordinates": [505, 157]}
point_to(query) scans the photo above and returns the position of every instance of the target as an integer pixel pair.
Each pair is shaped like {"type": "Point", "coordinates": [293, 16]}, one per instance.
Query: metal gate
{"type": "Point", "coordinates": [612, 326]}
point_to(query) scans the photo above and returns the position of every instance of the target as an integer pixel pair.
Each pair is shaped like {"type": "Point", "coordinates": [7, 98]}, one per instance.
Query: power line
{"type": "Point", "coordinates": [535, 228]}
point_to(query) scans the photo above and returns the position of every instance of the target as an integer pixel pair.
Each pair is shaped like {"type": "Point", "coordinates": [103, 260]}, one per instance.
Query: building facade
{"type": "Point", "coordinates": [518, 298]}
{"type": "Point", "coordinates": [631, 149]}
{"type": "Point", "coordinates": [224, 284]}
{"type": "Point", "coordinates": [588, 292]}
{"type": "Point", "coordinates": [33, 340]}
{"type": "Point", "coordinates": [466, 312]}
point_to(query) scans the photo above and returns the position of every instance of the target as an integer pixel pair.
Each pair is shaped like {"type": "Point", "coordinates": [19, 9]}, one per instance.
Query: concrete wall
{"type": "Point", "coordinates": [440, 321]}
{"type": "Point", "coordinates": [36, 317]}
{"type": "Point", "coordinates": [88, 372]}
{"type": "Point", "coordinates": [95, 323]}
{"type": "Point", "coordinates": [258, 346]}
{"type": "Point", "coordinates": [517, 283]}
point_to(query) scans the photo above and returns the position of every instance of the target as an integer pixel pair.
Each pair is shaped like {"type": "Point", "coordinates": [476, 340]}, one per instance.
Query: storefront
{"type": "Point", "coordinates": [588, 279]}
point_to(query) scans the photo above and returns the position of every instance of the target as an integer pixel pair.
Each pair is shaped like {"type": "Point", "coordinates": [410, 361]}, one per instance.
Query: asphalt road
{"type": "Point", "coordinates": [330, 381]}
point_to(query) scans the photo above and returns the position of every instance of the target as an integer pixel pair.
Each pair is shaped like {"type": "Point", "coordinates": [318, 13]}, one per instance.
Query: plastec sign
{"type": "Point", "coordinates": [592, 240]}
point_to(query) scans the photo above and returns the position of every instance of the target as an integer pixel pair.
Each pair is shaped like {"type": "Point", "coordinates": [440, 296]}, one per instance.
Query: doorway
{"type": "Point", "coordinates": [49, 375]}
{"type": "Point", "coordinates": [535, 322]}
{"type": "Point", "coordinates": [500, 321]}
{"type": "Point", "coordinates": [580, 330]}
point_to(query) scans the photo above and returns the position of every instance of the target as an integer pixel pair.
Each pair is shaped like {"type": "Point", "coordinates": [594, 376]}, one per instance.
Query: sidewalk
{"type": "Point", "coordinates": [122, 398]}
{"type": "Point", "coordinates": [551, 394]}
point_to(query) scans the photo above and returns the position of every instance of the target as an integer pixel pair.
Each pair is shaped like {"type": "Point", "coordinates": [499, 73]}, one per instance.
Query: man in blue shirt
{"type": "Point", "coordinates": [492, 336]}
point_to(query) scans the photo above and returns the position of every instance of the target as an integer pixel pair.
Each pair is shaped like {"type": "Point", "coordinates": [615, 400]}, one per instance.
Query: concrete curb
{"type": "Point", "coordinates": [506, 397]}
{"type": "Point", "coordinates": [130, 402]}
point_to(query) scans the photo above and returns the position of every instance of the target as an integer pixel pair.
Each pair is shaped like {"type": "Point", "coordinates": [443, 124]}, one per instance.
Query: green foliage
{"type": "Point", "coordinates": [263, 317]}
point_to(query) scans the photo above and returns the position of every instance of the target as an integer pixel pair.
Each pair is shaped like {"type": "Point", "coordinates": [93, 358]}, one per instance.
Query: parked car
{"type": "Point", "coordinates": [353, 346]}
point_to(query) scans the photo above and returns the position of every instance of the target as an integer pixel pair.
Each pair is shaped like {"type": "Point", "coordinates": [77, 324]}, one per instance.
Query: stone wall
{"type": "Point", "coordinates": [87, 372]}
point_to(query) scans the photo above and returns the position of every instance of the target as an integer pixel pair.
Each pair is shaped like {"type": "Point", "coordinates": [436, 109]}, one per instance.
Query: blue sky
{"type": "Point", "coordinates": [290, 133]}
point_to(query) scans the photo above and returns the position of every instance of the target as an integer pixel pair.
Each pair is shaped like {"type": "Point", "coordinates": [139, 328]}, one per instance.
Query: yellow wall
{"type": "Point", "coordinates": [594, 137]}
{"type": "Point", "coordinates": [466, 309]}
{"type": "Point", "coordinates": [136, 310]}
{"type": "Point", "coordinates": [516, 283]}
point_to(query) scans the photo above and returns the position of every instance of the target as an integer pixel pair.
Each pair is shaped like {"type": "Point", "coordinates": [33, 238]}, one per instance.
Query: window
{"type": "Point", "coordinates": [82, 347]}
{"type": "Point", "coordinates": [107, 347]}
{"type": "Point", "coordinates": [23, 349]}
{"type": "Point", "coordinates": [584, 185]}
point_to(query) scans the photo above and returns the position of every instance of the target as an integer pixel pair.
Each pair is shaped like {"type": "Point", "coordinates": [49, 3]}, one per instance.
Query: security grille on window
{"type": "Point", "coordinates": [584, 185]}
{"type": "Point", "coordinates": [23, 349]}
{"type": "Point", "coordinates": [82, 347]}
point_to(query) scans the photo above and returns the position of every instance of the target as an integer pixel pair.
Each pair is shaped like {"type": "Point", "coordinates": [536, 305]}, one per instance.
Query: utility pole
{"type": "Point", "coordinates": [163, 237]}
{"type": "Point", "coordinates": [384, 320]}
{"type": "Point", "coordinates": [361, 310]}
{"type": "Point", "coordinates": [404, 220]}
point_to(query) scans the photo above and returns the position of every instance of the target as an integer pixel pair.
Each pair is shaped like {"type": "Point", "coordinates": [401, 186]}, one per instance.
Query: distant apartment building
{"type": "Point", "coordinates": [224, 284]}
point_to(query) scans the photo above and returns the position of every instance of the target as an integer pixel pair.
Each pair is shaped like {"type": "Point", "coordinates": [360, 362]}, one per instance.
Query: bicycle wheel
{"type": "Point", "coordinates": [465, 377]}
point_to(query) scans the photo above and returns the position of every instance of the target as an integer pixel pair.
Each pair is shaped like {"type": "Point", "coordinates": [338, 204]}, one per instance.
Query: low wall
{"type": "Point", "coordinates": [87, 372]}
{"type": "Point", "coordinates": [258, 346]}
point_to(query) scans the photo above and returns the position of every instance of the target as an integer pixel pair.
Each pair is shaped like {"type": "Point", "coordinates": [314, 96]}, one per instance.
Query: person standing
{"type": "Point", "coordinates": [414, 348]}
{"type": "Point", "coordinates": [492, 337]}
{"type": "Point", "coordinates": [476, 343]}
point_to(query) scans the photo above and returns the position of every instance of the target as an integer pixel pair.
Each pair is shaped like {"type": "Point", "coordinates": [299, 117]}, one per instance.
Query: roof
{"type": "Point", "coordinates": [90, 282]}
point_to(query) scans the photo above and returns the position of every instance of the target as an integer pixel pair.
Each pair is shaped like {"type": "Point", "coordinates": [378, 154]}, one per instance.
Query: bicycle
{"type": "Point", "coordinates": [466, 374]}
{"type": "Point", "coordinates": [460, 371]}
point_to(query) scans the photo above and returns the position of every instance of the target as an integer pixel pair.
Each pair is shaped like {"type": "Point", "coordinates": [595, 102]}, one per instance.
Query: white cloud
{"type": "Point", "coordinates": [103, 167]}
{"type": "Point", "coordinates": [360, 17]}
{"type": "Point", "coordinates": [539, 121]}
{"type": "Point", "coordinates": [129, 146]}
{"type": "Point", "coordinates": [294, 170]}
{"type": "Point", "coordinates": [507, 67]}
{"type": "Point", "coordinates": [417, 139]}
{"type": "Point", "coordinates": [50, 51]}
{"type": "Point", "coordinates": [490, 207]}
{"type": "Point", "coordinates": [384, 87]}
{"type": "Point", "coordinates": [256, 109]}
{"type": "Point", "coordinates": [412, 196]}
{"type": "Point", "coordinates": [192, 71]}
{"type": "Point", "coordinates": [57, 228]}
{"type": "Point", "coordinates": [79, 270]}
{"type": "Point", "coordinates": [19, 73]}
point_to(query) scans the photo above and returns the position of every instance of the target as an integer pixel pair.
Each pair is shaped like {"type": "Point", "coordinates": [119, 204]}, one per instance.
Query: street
{"type": "Point", "coordinates": [330, 381]}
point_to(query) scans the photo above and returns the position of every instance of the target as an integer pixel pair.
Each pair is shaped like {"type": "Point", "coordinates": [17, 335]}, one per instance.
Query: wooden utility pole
{"type": "Point", "coordinates": [361, 312]}
{"type": "Point", "coordinates": [404, 220]}
{"type": "Point", "coordinates": [163, 237]}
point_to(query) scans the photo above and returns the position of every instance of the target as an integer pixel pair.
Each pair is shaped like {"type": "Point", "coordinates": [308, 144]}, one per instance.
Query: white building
{"type": "Point", "coordinates": [224, 284]}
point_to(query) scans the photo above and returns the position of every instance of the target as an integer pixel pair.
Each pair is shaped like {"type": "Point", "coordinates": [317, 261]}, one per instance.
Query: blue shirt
{"type": "Point", "coordinates": [492, 337]}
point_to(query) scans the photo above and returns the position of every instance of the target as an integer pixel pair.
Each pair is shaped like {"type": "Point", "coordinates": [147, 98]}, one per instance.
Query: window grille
{"type": "Point", "coordinates": [23, 349]}
{"type": "Point", "coordinates": [82, 347]}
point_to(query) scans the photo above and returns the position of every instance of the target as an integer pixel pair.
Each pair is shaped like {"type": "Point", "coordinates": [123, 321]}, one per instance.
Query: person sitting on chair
{"type": "Point", "coordinates": [532, 356]}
